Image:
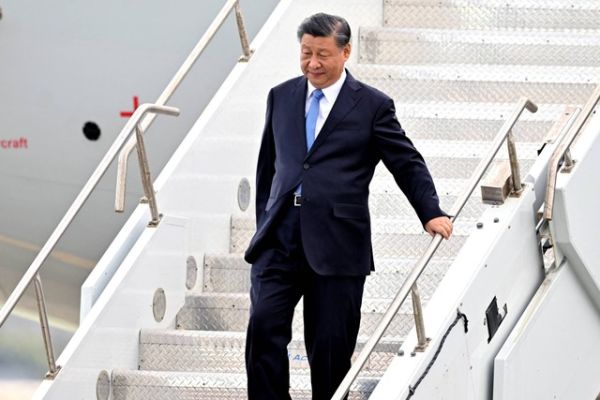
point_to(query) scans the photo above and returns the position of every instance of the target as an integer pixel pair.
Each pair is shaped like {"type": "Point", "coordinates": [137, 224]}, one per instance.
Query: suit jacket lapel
{"type": "Point", "coordinates": [297, 110]}
{"type": "Point", "coordinates": [345, 102]}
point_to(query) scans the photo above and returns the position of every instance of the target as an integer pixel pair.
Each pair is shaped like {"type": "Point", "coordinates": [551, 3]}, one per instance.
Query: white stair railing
{"type": "Point", "coordinates": [139, 122]}
{"type": "Point", "coordinates": [33, 270]}
{"type": "Point", "coordinates": [410, 282]}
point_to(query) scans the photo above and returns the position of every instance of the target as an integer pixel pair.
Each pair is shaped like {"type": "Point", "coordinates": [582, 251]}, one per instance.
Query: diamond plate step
{"type": "Point", "coordinates": [472, 129]}
{"type": "Point", "coordinates": [431, 46]}
{"type": "Point", "coordinates": [433, 150]}
{"type": "Point", "coordinates": [223, 352]}
{"type": "Point", "coordinates": [461, 167]}
{"type": "Point", "coordinates": [231, 274]}
{"type": "Point", "coordinates": [390, 237]}
{"type": "Point", "coordinates": [393, 203]}
{"type": "Point", "coordinates": [474, 111]}
{"type": "Point", "coordinates": [229, 312]}
{"type": "Point", "coordinates": [470, 121]}
{"type": "Point", "coordinates": [471, 83]}
{"type": "Point", "coordinates": [492, 14]}
{"type": "Point", "coordinates": [155, 385]}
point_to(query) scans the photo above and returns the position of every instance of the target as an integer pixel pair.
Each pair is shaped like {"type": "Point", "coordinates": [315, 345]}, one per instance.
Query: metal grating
{"type": "Point", "coordinates": [496, 15]}
{"type": "Point", "coordinates": [415, 46]}
{"type": "Point", "coordinates": [229, 312]}
{"type": "Point", "coordinates": [468, 83]}
{"type": "Point", "coordinates": [223, 352]}
{"type": "Point", "coordinates": [154, 385]}
{"type": "Point", "coordinates": [229, 274]}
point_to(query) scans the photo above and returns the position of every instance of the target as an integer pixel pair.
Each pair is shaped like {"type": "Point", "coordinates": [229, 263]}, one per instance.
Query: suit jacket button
{"type": "Point", "coordinates": [306, 166]}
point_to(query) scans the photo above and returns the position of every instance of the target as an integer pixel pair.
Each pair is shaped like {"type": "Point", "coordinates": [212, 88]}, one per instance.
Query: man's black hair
{"type": "Point", "coordinates": [325, 25]}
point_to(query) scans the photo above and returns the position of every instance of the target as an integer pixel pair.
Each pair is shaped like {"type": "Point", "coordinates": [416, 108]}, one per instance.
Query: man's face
{"type": "Point", "coordinates": [321, 60]}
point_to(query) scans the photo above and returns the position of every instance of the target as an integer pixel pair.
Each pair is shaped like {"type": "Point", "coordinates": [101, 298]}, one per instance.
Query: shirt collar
{"type": "Point", "coordinates": [330, 91]}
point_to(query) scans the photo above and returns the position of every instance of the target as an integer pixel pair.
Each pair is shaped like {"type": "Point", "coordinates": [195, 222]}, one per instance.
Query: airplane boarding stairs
{"type": "Point", "coordinates": [171, 321]}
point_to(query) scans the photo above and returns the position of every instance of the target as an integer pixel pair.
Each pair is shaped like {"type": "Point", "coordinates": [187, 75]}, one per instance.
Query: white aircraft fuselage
{"type": "Point", "coordinates": [71, 74]}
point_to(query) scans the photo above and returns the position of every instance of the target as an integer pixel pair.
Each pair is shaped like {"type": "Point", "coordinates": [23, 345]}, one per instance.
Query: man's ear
{"type": "Point", "coordinates": [346, 51]}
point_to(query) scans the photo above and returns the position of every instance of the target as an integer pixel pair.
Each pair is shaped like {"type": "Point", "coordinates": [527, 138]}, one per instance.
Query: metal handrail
{"type": "Point", "coordinates": [562, 150]}
{"type": "Point", "coordinates": [139, 122]}
{"type": "Point", "coordinates": [33, 270]}
{"type": "Point", "coordinates": [174, 84]}
{"type": "Point", "coordinates": [403, 292]}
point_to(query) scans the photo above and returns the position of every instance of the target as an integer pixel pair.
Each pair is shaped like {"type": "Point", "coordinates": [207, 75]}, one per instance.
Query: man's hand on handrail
{"type": "Point", "coordinates": [441, 225]}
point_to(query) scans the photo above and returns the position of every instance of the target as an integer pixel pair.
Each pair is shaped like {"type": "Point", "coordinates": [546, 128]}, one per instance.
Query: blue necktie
{"type": "Point", "coordinates": [311, 118]}
{"type": "Point", "coordinates": [311, 123]}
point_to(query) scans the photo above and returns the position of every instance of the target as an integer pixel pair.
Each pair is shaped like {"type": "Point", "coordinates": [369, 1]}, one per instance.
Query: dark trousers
{"type": "Point", "coordinates": [279, 278]}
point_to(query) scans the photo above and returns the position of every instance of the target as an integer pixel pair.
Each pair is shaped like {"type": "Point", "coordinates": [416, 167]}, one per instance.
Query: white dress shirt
{"type": "Point", "coordinates": [326, 104]}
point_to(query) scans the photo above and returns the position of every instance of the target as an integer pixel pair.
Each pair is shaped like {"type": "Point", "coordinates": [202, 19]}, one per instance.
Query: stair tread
{"type": "Point", "coordinates": [241, 301]}
{"type": "Point", "coordinates": [534, 4]}
{"type": "Point", "coordinates": [193, 337]}
{"type": "Point", "coordinates": [526, 15]}
{"type": "Point", "coordinates": [221, 351]}
{"type": "Point", "coordinates": [568, 38]}
{"type": "Point", "coordinates": [540, 74]}
{"type": "Point", "coordinates": [183, 379]}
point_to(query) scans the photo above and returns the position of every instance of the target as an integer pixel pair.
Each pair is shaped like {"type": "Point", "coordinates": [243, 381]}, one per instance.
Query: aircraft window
{"type": "Point", "coordinates": [91, 131]}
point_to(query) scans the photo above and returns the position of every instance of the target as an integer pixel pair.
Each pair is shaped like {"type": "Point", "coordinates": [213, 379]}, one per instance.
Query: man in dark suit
{"type": "Point", "coordinates": [324, 134]}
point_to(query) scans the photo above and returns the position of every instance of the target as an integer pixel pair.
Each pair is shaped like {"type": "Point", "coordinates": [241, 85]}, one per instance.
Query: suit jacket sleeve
{"type": "Point", "coordinates": [405, 163]}
{"type": "Point", "coordinates": [266, 163]}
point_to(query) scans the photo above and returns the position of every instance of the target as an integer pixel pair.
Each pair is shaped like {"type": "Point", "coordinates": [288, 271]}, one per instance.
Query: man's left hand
{"type": "Point", "coordinates": [441, 225]}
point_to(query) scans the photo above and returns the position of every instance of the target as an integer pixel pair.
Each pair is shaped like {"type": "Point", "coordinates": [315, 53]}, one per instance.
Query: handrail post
{"type": "Point", "coordinates": [514, 165]}
{"type": "Point", "coordinates": [239, 18]}
{"type": "Point", "coordinates": [41, 304]}
{"type": "Point", "coordinates": [422, 339]}
{"type": "Point", "coordinates": [144, 169]}
{"type": "Point", "coordinates": [145, 174]}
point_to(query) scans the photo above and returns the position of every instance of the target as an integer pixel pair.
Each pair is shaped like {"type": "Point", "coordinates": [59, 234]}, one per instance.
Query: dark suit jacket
{"type": "Point", "coordinates": [361, 130]}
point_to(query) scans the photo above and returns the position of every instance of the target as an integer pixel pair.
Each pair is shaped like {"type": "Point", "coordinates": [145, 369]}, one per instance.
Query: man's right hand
{"type": "Point", "coordinates": [441, 225]}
